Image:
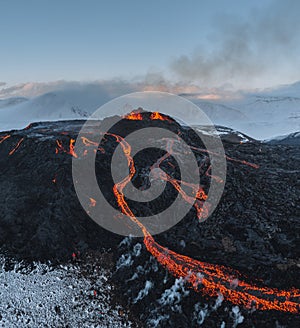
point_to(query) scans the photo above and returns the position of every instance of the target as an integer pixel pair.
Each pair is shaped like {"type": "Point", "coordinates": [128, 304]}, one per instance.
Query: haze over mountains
{"type": "Point", "coordinates": [262, 114]}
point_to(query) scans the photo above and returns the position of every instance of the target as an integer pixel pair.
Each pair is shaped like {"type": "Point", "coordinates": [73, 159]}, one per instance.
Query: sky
{"type": "Point", "coordinates": [235, 44]}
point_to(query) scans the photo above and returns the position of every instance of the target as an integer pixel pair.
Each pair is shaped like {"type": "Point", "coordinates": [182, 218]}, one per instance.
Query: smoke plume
{"type": "Point", "coordinates": [259, 51]}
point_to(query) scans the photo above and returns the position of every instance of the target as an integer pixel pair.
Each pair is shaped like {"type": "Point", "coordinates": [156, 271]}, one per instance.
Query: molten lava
{"type": "Point", "coordinates": [134, 116]}
{"type": "Point", "coordinates": [212, 279]}
{"type": "Point", "coordinates": [16, 147]}
{"type": "Point", "coordinates": [137, 115]}
{"type": "Point", "coordinates": [89, 143]}
{"type": "Point", "coordinates": [209, 279]}
{"type": "Point", "coordinates": [60, 148]}
{"type": "Point", "coordinates": [3, 138]}
{"type": "Point", "coordinates": [158, 116]}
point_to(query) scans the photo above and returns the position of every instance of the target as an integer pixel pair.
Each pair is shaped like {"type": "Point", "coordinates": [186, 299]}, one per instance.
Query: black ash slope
{"type": "Point", "coordinates": [254, 229]}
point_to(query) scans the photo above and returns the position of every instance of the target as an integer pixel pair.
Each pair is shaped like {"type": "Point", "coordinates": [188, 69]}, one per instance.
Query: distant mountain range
{"type": "Point", "coordinates": [261, 115]}
{"type": "Point", "coordinates": [290, 139]}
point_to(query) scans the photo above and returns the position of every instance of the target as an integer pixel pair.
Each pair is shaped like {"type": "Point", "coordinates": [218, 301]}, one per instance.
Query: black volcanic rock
{"type": "Point", "coordinates": [255, 228]}
{"type": "Point", "coordinates": [41, 219]}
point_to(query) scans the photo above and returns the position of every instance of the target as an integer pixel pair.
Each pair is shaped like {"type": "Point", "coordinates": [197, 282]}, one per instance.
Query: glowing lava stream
{"type": "Point", "coordinates": [208, 278]}
{"type": "Point", "coordinates": [134, 116]}
{"type": "Point", "coordinates": [3, 138]}
{"type": "Point", "coordinates": [62, 149]}
{"type": "Point", "coordinates": [16, 147]}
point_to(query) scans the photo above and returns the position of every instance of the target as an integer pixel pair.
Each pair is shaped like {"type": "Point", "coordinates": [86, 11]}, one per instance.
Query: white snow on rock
{"type": "Point", "coordinates": [153, 323]}
{"type": "Point", "coordinates": [237, 316]}
{"type": "Point", "coordinates": [261, 114]}
{"type": "Point", "coordinates": [144, 292]}
{"type": "Point", "coordinates": [56, 297]}
{"type": "Point", "coordinates": [174, 294]}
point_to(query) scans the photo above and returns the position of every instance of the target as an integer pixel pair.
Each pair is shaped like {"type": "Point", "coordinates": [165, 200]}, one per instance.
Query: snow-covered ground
{"type": "Point", "coordinates": [64, 296]}
{"type": "Point", "coordinates": [261, 115]}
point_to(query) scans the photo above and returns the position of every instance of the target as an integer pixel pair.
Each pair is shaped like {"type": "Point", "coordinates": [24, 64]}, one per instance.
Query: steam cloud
{"type": "Point", "coordinates": [263, 49]}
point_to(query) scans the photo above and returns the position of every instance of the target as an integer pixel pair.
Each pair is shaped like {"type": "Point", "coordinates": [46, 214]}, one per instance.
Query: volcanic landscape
{"type": "Point", "coordinates": [240, 267]}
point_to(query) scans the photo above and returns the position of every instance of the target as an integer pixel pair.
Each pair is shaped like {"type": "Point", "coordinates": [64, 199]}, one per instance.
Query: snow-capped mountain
{"type": "Point", "coordinates": [11, 101]}
{"type": "Point", "coordinates": [290, 139]}
{"type": "Point", "coordinates": [219, 113]}
{"type": "Point", "coordinates": [51, 106]}
{"type": "Point", "coordinates": [261, 115]}
{"type": "Point", "coordinates": [289, 90]}
{"type": "Point", "coordinates": [269, 115]}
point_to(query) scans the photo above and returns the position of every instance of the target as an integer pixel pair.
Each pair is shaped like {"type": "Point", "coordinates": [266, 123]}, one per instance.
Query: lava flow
{"type": "Point", "coordinates": [16, 147]}
{"type": "Point", "coordinates": [3, 138]}
{"type": "Point", "coordinates": [214, 279]}
{"type": "Point", "coordinates": [134, 116]}
{"type": "Point", "coordinates": [137, 115]}
{"type": "Point", "coordinates": [158, 116]}
{"type": "Point", "coordinates": [209, 279]}
{"type": "Point", "coordinates": [61, 148]}
{"type": "Point", "coordinates": [201, 209]}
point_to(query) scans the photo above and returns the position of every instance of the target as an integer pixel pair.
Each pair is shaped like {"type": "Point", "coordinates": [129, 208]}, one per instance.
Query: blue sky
{"type": "Point", "coordinates": [90, 40]}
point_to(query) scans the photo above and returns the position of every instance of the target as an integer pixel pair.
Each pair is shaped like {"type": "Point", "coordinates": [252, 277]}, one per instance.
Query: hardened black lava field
{"type": "Point", "coordinates": [254, 229]}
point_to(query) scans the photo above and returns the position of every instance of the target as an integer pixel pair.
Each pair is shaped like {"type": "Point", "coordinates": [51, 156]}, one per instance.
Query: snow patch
{"type": "Point", "coordinates": [155, 322]}
{"type": "Point", "coordinates": [218, 302]}
{"type": "Point", "coordinates": [44, 296]}
{"type": "Point", "coordinates": [237, 316]}
{"type": "Point", "coordinates": [200, 313]}
{"type": "Point", "coordinates": [137, 249]}
{"type": "Point", "coordinates": [144, 292]}
{"type": "Point", "coordinates": [173, 295]}
{"type": "Point", "coordinates": [124, 260]}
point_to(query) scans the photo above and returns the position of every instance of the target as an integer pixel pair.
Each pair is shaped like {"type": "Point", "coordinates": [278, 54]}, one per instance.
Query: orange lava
{"type": "Point", "coordinates": [209, 279]}
{"type": "Point", "coordinates": [3, 138]}
{"type": "Point", "coordinates": [212, 279]}
{"type": "Point", "coordinates": [60, 148]}
{"type": "Point", "coordinates": [16, 147]}
{"type": "Point", "coordinates": [158, 116]}
{"type": "Point", "coordinates": [138, 116]}
{"type": "Point", "coordinates": [134, 116]}
{"type": "Point", "coordinates": [89, 143]}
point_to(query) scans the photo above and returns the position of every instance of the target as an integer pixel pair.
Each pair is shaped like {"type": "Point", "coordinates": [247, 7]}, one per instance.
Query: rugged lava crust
{"type": "Point", "coordinates": [254, 229]}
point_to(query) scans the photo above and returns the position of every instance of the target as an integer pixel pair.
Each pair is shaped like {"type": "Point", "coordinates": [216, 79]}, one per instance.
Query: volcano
{"type": "Point", "coordinates": [250, 241]}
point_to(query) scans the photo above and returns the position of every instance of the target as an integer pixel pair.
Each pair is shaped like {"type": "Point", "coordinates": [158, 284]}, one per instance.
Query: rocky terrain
{"type": "Point", "coordinates": [254, 229]}
{"type": "Point", "coordinates": [74, 294]}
